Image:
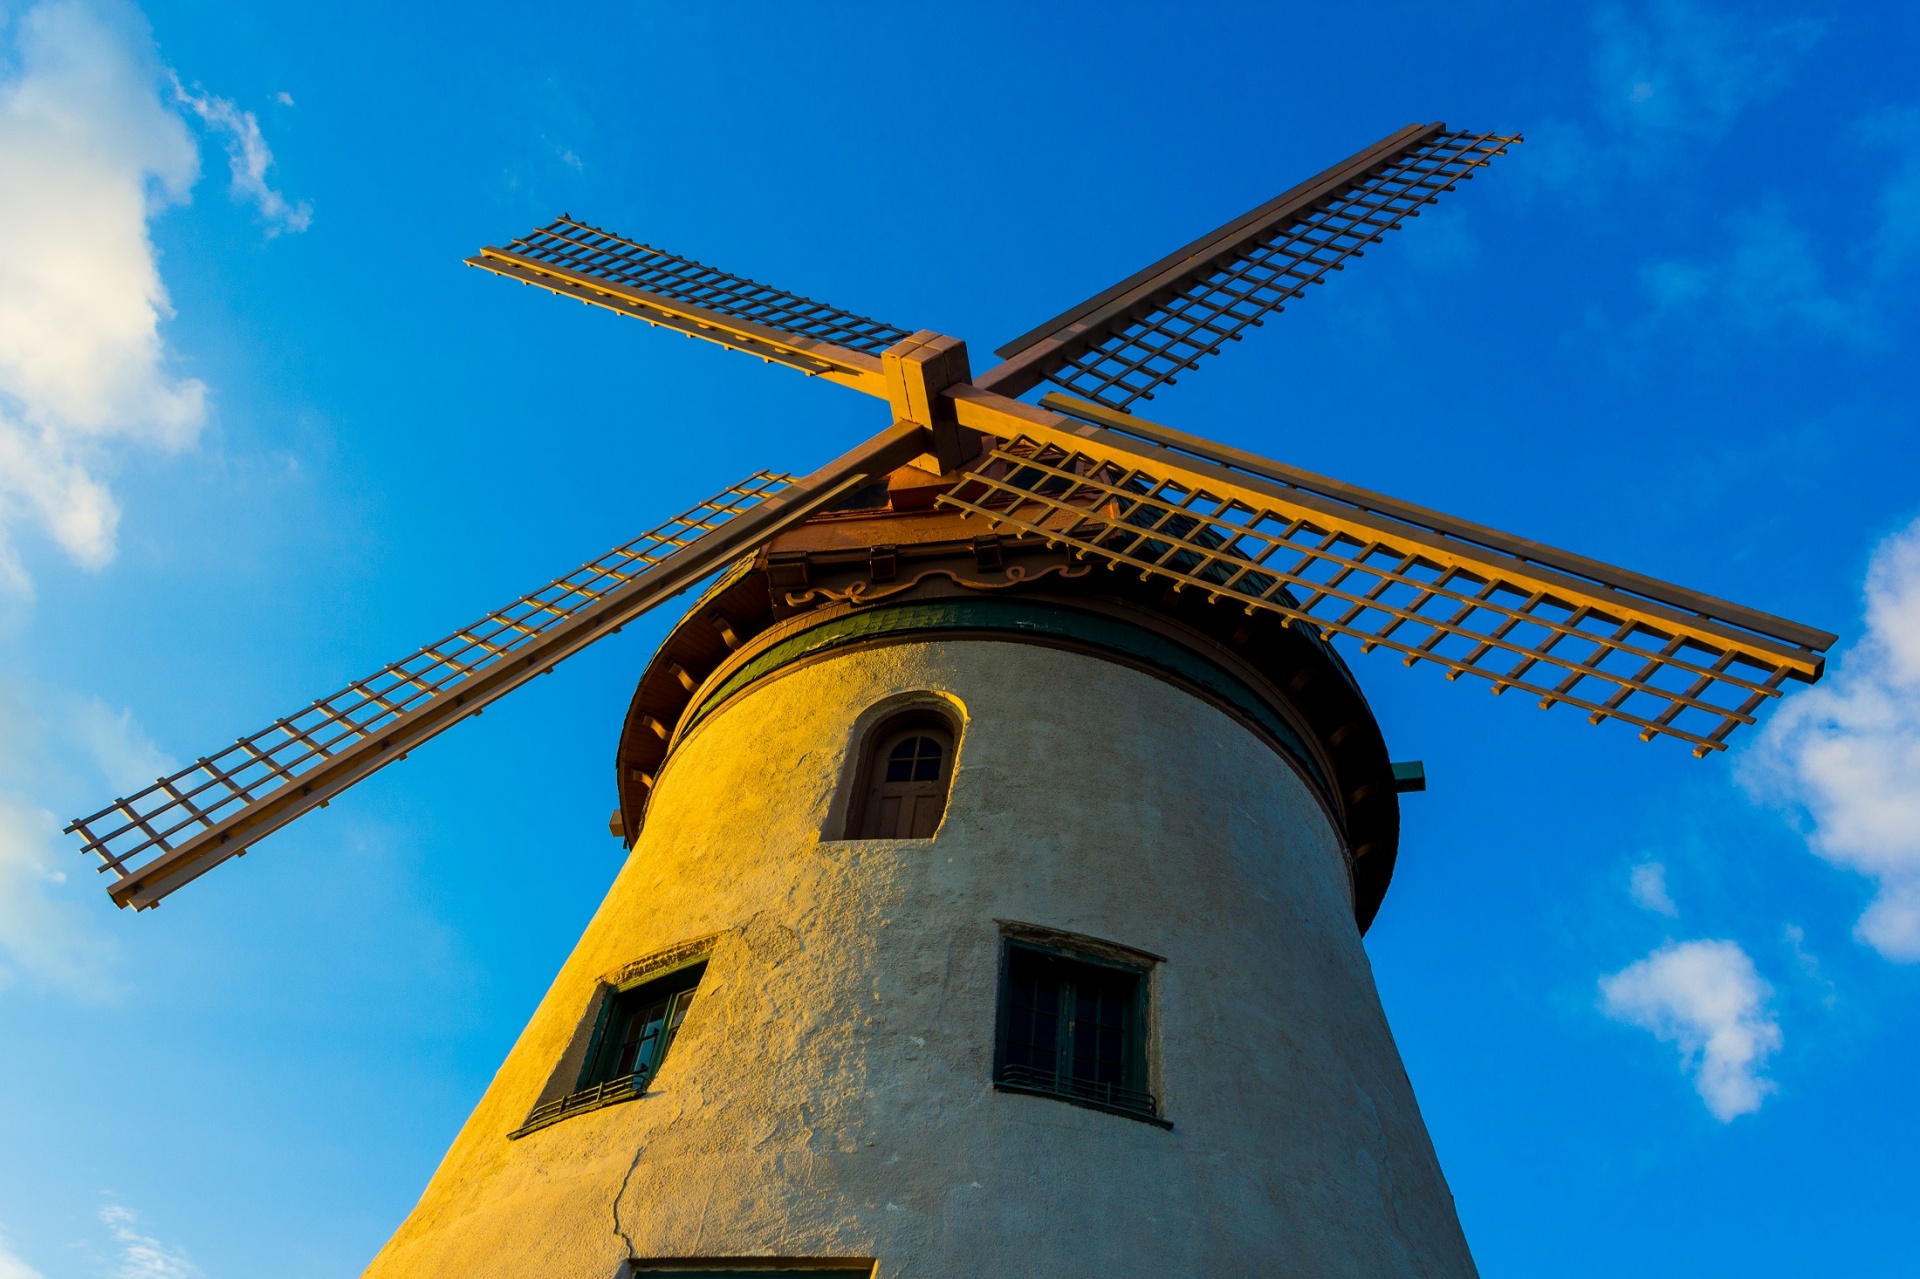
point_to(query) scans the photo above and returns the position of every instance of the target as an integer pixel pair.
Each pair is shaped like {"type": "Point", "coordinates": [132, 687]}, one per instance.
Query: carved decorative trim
{"type": "Point", "coordinates": [862, 592]}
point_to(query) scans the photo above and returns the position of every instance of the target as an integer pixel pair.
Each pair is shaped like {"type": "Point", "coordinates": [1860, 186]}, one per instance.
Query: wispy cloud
{"type": "Point", "coordinates": [143, 1256]}
{"type": "Point", "coordinates": [12, 1265]}
{"type": "Point", "coordinates": [1770, 279]}
{"type": "Point", "coordinates": [44, 935]}
{"type": "Point", "coordinates": [1846, 753]}
{"type": "Point", "coordinates": [120, 748]}
{"type": "Point", "coordinates": [1706, 998]}
{"type": "Point", "coordinates": [1677, 69]}
{"type": "Point", "coordinates": [1665, 75]}
{"type": "Point", "coordinates": [88, 154]}
{"type": "Point", "coordinates": [1896, 240]}
{"type": "Point", "coordinates": [248, 157]}
{"type": "Point", "coordinates": [1648, 885]}
{"type": "Point", "coordinates": [1775, 277]}
{"type": "Point", "coordinates": [55, 745]}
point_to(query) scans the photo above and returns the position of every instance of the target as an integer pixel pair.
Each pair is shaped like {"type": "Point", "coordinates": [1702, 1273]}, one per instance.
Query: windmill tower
{"type": "Point", "coordinates": [1003, 820]}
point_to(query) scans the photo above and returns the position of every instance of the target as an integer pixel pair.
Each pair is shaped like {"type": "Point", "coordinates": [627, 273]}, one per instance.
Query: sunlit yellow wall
{"type": "Point", "coordinates": [829, 1093]}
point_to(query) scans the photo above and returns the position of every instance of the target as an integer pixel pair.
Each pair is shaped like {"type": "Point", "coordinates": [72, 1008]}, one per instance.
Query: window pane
{"type": "Point", "coordinates": [1033, 1020]}
{"type": "Point", "coordinates": [1071, 1030]}
{"type": "Point", "coordinates": [641, 1026]}
{"type": "Point", "coordinates": [900, 760]}
{"type": "Point", "coordinates": [926, 760]}
{"type": "Point", "coordinates": [676, 1014]}
{"type": "Point", "coordinates": [1101, 1006]}
{"type": "Point", "coordinates": [650, 1020]}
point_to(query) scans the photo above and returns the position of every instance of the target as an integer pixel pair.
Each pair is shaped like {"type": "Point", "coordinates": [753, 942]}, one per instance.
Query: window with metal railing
{"type": "Point", "coordinates": [1073, 1027]}
{"type": "Point", "coordinates": [636, 1028]}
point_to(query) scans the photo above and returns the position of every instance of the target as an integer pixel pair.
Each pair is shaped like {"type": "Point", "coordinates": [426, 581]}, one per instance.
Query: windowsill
{"type": "Point", "coordinates": [598, 1097]}
{"type": "Point", "coordinates": [1088, 1103]}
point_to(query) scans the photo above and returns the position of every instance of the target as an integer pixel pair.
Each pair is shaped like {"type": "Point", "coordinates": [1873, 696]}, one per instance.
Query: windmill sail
{"type": "Point", "coordinates": [1124, 344]}
{"type": "Point", "coordinates": [1468, 599]}
{"type": "Point", "coordinates": [183, 825]}
{"type": "Point", "coordinates": [603, 269]}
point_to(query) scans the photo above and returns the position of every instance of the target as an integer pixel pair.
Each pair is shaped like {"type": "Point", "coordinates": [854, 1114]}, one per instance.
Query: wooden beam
{"type": "Point", "coordinates": [1006, 418]}
{"type": "Point", "coordinates": [1027, 357]}
{"type": "Point", "coordinates": [146, 885]}
{"type": "Point", "coordinates": [811, 356]}
{"type": "Point", "coordinates": [1448, 526]}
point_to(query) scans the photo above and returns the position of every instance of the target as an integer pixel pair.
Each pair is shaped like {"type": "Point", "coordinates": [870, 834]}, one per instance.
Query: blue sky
{"type": "Point", "coordinates": [260, 432]}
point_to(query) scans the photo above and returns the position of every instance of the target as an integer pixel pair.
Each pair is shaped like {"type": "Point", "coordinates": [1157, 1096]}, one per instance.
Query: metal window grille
{"type": "Point", "coordinates": [150, 823]}
{"type": "Point", "coordinates": [591, 251]}
{"type": "Point", "coordinates": [1073, 1030]}
{"type": "Point", "coordinates": [610, 1093]}
{"type": "Point", "coordinates": [1172, 333]}
{"type": "Point", "coordinates": [1386, 592]}
{"type": "Point", "coordinates": [1104, 1092]}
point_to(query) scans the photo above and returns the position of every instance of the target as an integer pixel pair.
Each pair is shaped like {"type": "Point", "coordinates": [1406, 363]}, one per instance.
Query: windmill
{"type": "Point", "coordinates": [1071, 649]}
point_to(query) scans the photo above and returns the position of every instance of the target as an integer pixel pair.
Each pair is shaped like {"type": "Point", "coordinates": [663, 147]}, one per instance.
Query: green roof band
{"type": "Point", "coordinates": [1021, 618]}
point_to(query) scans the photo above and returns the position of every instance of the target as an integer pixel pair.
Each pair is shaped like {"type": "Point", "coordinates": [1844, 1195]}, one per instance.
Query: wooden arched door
{"type": "Point", "coordinates": [908, 768]}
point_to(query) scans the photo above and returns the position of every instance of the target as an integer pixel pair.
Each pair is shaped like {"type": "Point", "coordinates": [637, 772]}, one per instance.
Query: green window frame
{"type": "Point", "coordinates": [638, 1026]}
{"type": "Point", "coordinates": [634, 1031]}
{"type": "Point", "coordinates": [1073, 1027]}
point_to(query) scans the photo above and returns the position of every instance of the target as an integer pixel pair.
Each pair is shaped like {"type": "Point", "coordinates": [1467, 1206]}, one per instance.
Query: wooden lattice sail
{"type": "Point", "coordinates": [1076, 470]}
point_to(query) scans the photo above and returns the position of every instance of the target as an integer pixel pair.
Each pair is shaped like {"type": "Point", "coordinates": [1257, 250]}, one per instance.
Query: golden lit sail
{"type": "Point", "coordinates": [1469, 599]}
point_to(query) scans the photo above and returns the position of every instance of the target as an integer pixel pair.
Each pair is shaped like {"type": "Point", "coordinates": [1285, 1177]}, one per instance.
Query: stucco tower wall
{"type": "Point", "coordinates": [830, 1092]}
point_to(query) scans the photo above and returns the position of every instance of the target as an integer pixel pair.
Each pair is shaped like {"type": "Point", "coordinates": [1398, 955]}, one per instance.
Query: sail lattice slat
{"type": "Point", "coordinates": [1170, 332]}
{"type": "Point", "coordinates": [132, 831]}
{"type": "Point", "coordinates": [602, 255]}
{"type": "Point", "coordinates": [1518, 630]}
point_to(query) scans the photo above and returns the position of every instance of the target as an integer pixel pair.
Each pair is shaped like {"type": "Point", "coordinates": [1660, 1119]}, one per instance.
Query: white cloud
{"type": "Point", "coordinates": [1796, 939]}
{"type": "Point", "coordinates": [126, 756]}
{"type": "Point", "coordinates": [248, 158]}
{"type": "Point", "coordinates": [88, 154]}
{"type": "Point", "coordinates": [1847, 753]}
{"type": "Point", "coordinates": [1772, 277]}
{"type": "Point", "coordinates": [142, 1256]}
{"type": "Point", "coordinates": [54, 744]}
{"type": "Point", "coordinates": [1706, 997]}
{"type": "Point", "coordinates": [1648, 884]}
{"type": "Point", "coordinates": [12, 1266]}
{"type": "Point", "coordinates": [44, 935]}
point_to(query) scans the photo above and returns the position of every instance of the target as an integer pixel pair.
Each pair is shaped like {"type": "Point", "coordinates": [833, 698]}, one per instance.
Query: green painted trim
{"type": "Point", "coordinates": [1019, 618]}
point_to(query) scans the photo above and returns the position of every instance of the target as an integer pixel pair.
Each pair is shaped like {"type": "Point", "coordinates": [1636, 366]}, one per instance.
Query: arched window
{"type": "Point", "coordinates": [904, 775]}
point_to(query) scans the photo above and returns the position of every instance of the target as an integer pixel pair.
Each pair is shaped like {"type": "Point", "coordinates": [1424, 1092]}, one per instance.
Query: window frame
{"type": "Point", "coordinates": [1138, 1061]}
{"type": "Point", "coordinates": [868, 764]}
{"type": "Point", "coordinates": [633, 993]}
{"type": "Point", "coordinates": [591, 1093]}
